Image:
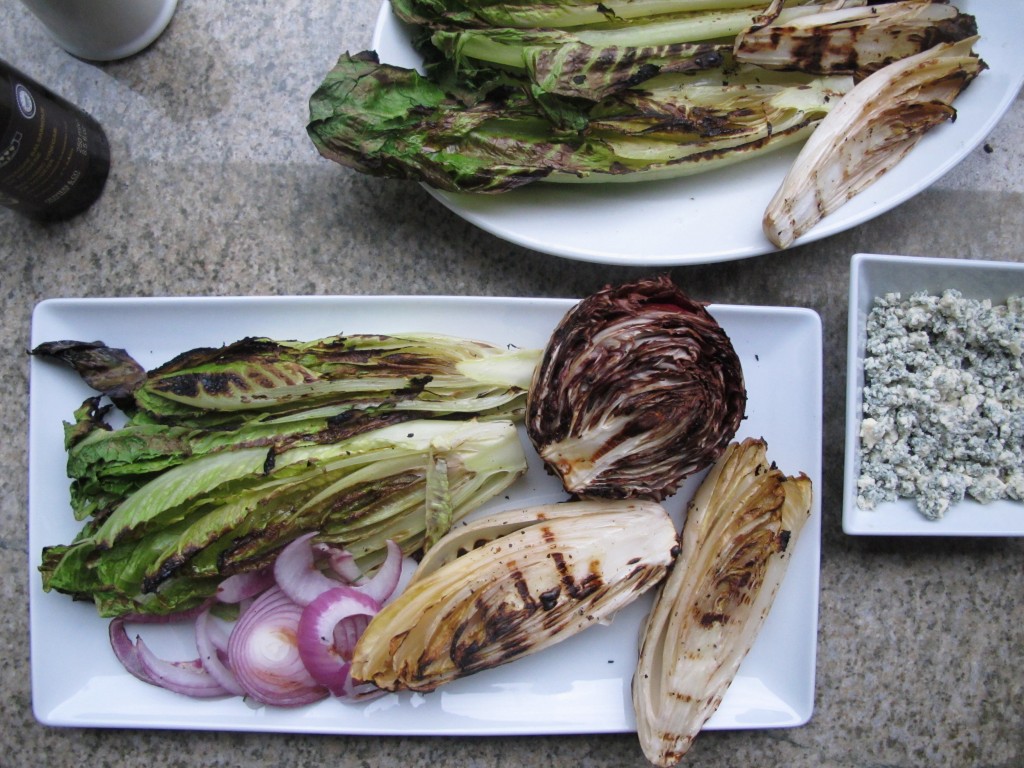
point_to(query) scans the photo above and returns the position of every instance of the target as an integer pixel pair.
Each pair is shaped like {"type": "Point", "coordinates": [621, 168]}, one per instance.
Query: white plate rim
{"type": "Point", "coordinates": [152, 708]}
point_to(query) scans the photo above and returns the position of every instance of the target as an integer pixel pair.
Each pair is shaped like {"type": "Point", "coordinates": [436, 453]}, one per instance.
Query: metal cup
{"type": "Point", "coordinates": [103, 30]}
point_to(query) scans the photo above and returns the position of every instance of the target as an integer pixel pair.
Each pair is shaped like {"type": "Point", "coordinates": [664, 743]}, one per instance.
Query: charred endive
{"type": "Point", "coordinates": [853, 40]}
{"type": "Point", "coordinates": [737, 541]}
{"type": "Point", "coordinates": [638, 388]}
{"type": "Point", "coordinates": [529, 579]}
{"type": "Point", "coordinates": [874, 126]}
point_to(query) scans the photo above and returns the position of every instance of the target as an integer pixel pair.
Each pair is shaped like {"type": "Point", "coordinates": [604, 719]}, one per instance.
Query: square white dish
{"type": "Point", "coordinates": [579, 686]}
{"type": "Point", "coordinates": [873, 275]}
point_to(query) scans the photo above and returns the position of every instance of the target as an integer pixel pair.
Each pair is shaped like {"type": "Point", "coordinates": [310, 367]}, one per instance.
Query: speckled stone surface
{"type": "Point", "coordinates": [216, 190]}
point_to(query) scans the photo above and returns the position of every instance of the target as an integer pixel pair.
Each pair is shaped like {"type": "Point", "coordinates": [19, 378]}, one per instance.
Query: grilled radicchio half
{"type": "Point", "coordinates": [638, 388]}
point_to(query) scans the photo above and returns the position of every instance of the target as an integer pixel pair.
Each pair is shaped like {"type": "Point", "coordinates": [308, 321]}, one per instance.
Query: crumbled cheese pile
{"type": "Point", "coordinates": [943, 412]}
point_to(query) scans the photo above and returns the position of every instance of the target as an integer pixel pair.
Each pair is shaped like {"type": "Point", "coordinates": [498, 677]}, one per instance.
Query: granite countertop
{"type": "Point", "coordinates": [216, 190]}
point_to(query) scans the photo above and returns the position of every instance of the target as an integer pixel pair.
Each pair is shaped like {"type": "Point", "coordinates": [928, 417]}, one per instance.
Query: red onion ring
{"type": "Point", "coordinates": [293, 642]}
{"type": "Point", "coordinates": [125, 650]}
{"type": "Point", "coordinates": [242, 586]}
{"type": "Point", "coordinates": [264, 653]}
{"type": "Point", "coordinates": [186, 677]}
{"type": "Point", "coordinates": [214, 659]}
{"type": "Point", "coordinates": [296, 572]}
{"type": "Point", "coordinates": [349, 630]}
{"type": "Point", "coordinates": [342, 562]}
{"type": "Point", "coordinates": [327, 632]}
{"type": "Point", "coordinates": [409, 566]}
{"type": "Point", "coordinates": [383, 583]}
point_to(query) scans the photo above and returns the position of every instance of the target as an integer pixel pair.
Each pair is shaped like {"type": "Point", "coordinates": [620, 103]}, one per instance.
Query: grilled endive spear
{"type": "Point", "coordinates": [854, 40]}
{"type": "Point", "coordinates": [736, 544]}
{"type": "Point", "coordinates": [533, 578]}
{"type": "Point", "coordinates": [875, 125]}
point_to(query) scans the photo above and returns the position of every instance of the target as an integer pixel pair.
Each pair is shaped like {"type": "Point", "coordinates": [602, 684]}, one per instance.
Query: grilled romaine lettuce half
{"type": "Point", "coordinates": [559, 14]}
{"type": "Point", "coordinates": [595, 59]}
{"type": "Point", "coordinates": [873, 127]}
{"type": "Point", "coordinates": [737, 540]}
{"type": "Point", "coordinates": [583, 65]}
{"type": "Point", "coordinates": [107, 465]}
{"type": "Point", "coordinates": [639, 387]}
{"type": "Point", "coordinates": [430, 374]}
{"type": "Point", "coordinates": [531, 579]}
{"type": "Point", "coordinates": [170, 543]}
{"type": "Point", "coordinates": [512, 91]}
{"type": "Point", "coordinates": [393, 122]}
{"type": "Point", "coordinates": [274, 395]}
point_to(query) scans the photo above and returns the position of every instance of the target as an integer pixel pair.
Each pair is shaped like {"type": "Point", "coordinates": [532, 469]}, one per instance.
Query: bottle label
{"type": "Point", "coordinates": [25, 101]}
{"type": "Point", "coordinates": [44, 153]}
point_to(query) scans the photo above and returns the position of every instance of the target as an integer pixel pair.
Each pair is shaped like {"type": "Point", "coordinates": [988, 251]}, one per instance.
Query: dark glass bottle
{"type": "Point", "coordinates": [54, 158]}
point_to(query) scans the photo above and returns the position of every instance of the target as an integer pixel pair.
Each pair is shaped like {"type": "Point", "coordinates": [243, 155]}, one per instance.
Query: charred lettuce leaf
{"type": "Point", "coordinates": [224, 386]}
{"type": "Point", "coordinates": [639, 387]}
{"type": "Point", "coordinates": [168, 545]}
{"type": "Point", "coordinates": [106, 369]}
{"type": "Point", "coordinates": [268, 394]}
{"type": "Point", "coordinates": [393, 122]}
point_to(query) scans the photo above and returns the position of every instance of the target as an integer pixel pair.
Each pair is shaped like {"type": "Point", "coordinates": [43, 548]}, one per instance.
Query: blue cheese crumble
{"type": "Point", "coordinates": [943, 406]}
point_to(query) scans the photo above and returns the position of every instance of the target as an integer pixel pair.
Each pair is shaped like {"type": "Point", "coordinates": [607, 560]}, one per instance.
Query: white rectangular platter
{"type": "Point", "coordinates": [579, 686]}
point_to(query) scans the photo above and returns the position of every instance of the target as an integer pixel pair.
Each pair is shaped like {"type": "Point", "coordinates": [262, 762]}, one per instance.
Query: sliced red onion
{"type": "Point", "coordinates": [264, 653]}
{"type": "Point", "coordinates": [349, 630]}
{"type": "Point", "coordinates": [294, 639]}
{"type": "Point", "coordinates": [213, 658]}
{"type": "Point", "coordinates": [242, 586]}
{"type": "Point", "coordinates": [125, 650]}
{"type": "Point", "coordinates": [296, 572]}
{"type": "Point", "coordinates": [384, 582]}
{"type": "Point", "coordinates": [186, 677]}
{"type": "Point", "coordinates": [327, 656]}
{"type": "Point", "coordinates": [216, 633]}
{"type": "Point", "coordinates": [358, 691]}
{"type": "Point", "coordinates": [342, 562]}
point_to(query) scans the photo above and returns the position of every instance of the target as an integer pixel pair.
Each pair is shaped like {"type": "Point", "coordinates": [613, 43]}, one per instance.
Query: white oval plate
{"type": "Point", "coordinates": [716, 216]}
